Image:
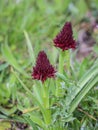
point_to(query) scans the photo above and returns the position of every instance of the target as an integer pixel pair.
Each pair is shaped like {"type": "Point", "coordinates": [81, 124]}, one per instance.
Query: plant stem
{"type": "Point", "coordinates": [46, 96]}
{"type": "Point", "coordinates": [62, 56]}
{"type": "Point", "coordinates": [67, 54]}
{"type": "Point", "coordinates": [61, 62]}
{"type": "Point", "coordinates": [46, 104]}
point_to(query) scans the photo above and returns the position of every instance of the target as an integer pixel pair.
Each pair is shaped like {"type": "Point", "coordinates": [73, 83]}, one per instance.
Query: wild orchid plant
{"type": "Point", "coordinates": [64, 40]}
{"type": "Point", "coordinates": [55, 94]}
{"type": "Point", "coordinates": [44, 70]}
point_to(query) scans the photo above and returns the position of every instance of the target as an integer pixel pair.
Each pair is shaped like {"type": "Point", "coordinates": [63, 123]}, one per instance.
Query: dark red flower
{"type": "Point", "coordinates": [43, 69]}
{"type": "Point", "coordinates": [64, 39]}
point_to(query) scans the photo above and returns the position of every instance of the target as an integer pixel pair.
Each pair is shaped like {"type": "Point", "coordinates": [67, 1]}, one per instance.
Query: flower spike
{"type": "Point", "coordinates": [43, 69]}
{"type": "Point", "coordinates": [64, 40]}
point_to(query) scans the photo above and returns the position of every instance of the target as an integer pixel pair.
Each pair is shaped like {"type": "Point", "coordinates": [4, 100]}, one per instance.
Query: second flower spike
{"type": "Point", "coordinates": [64, 40]}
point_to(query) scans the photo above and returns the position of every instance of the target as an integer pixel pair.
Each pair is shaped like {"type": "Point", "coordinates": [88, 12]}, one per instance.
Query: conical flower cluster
{"type": "Point", "coordinates": [43, 69]}
{"type": "Point", "coordinates": [64, 40]}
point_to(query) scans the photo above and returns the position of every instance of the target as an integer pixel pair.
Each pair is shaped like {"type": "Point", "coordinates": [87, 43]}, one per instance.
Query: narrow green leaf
{"type": "Point", "coordinates": [37, 120]}
{"type": "Point", "coordinates": [61, 76]}
{"type": "Point", "coordinates": [30, 48]}
{"type": "Point", "coordinates": [37, 93]}
{"type": "Point", "coordinates": [32, 124]}
{"type": "Point", "coordinates": [33, 97]}
{"type": "Point", "coordinates": [82, 93]}
{"type": "Point", "coordinates": [82, 82]}
{"type": "Point", "coordinates": [10, 59]}
{"type": "Point", "coordinates": [87, 76]}
{"type": "Point", "coordinates": [8, 111]}
{"type": "Point", "coordinates": [3, 66]}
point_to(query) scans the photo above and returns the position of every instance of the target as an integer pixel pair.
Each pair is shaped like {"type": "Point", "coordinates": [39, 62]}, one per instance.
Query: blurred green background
{"type": "Point", "coordinates": [40, 18]}
{"type": "Point", "coordinates": [33, 22]}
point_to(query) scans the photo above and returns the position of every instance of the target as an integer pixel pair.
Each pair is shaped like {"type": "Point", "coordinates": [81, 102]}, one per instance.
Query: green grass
{"type": "Point", "coordinates": [26, 28]}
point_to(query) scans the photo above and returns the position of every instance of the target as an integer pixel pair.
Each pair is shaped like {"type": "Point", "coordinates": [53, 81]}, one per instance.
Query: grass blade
{"type": "Point", "coordinates": [30, 49]}
{"type": "Point", "coordinates": [11, 60]}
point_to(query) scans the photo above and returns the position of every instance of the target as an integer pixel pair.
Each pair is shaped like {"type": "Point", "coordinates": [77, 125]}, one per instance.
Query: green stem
{"type": "Point", "coordinates": [64, 58]}
{"type": "Point", "coordinates": [61, 62]}
{"type": "Point", "coordinates": [46, 96]}
{"type": "Point", "coordinates": [67, 54]}
{"type": "Point", "coordinates": [46, 103]}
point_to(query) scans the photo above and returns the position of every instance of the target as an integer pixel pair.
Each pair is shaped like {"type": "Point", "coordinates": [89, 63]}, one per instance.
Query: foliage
{"type": "Point", "coordinates": [74, 104]}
